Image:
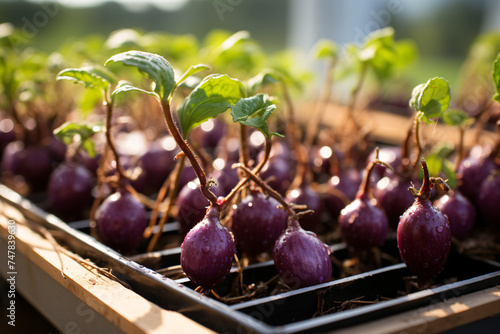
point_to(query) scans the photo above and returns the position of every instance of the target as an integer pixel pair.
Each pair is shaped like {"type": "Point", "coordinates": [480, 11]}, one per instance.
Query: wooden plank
{"type": "Point", "coordinates": [103, 299]}
{"type": "Point", "coordinates": [438, 317]}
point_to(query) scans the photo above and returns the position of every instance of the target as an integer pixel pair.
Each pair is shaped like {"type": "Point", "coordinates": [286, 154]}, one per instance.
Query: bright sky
{"type": "Point", "coordinates": [131, 4]}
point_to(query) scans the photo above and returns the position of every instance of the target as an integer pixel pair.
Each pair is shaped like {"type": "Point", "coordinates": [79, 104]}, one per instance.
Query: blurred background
{"type": "Point", "coordinates": [443, 30]}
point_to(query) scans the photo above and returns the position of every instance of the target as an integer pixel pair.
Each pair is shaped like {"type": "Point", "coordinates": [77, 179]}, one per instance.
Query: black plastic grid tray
{"type": "Point", "coordinates": [289, 312]}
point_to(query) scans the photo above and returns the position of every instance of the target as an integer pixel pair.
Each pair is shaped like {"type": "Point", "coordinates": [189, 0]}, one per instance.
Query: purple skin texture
{"type": "Point", "coordinates": [70, 190]}
{"type": "Point", "coordinates": [393, 196]}
{"type": "Point", "coordinates": [301, 258]}
{"type": "Point", "coordinates": [279, 169]}
{"type": "Point", "coordinates": [424, 236]}
{"type": "Point", "coordinates": [121, 221]}
{"type": "Point", "coordinates": [334, 202]}
{"type": "Point", "coordinates": [207, 251]}
{"type": "Point", "coordinates": [347, 182]}
{"type": "Point", "coordinates": [33, 163]}
{"type": "Point", "coordinates": [471, 173]}
{"type": "Point", "coordinates": [158, 163]}
{"type": "Point", "coordinates": [192, 205]}
{"type": "Point", "coordinates": [304, 195]}
{"type": "Point", "coordinates": [489, 200]}
{"type": "Point", "coordinates": [460, 211]}
{"type": "Point", "coordinates": [256, 223]}
{"type": "Point", "coordinates": [364, 225]}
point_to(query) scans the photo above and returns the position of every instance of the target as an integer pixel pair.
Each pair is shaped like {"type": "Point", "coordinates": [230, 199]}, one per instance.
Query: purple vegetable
{"type": "Point", "coordinates": [489, 200]}
{"type": "Point", "coordinates": [279, 170]}
{"type": "Point", "coordinates": [460, 211]}
{"type": "Point", "coordinates": [471, 173]}
{"type": "Point", "coordinates": [158, 162]}
{"type": "Point", "coordinates": [334, 201]}
{"type": "Point", "coordinates": [301, 258]}
{"type": "Point", "coordinates": [305, 195]}
{"type": "Point", "coordinates": [424, 236]}
{"type": "Point", "coordinates": [363, 223]}
{"type": "Point", "coordinates": [393, 196]}
{"type": "Point", "coordinates": [33, 163]}
{"type": "Point", "coordinates": [256, 223]}
{"type": "Point", "coordinates": [70, 190]}
{"type": "Point", "coordinates": [192, 205]}
{"type": "Point", "coordinates": [347, 182]}
{"type": "Point", "coordinates": [207, 251]}
{"type": "Point", "coordinates": [121, 221]}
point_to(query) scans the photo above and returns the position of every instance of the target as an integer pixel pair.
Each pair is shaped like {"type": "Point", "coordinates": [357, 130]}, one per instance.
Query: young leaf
{"type": "Point", "coordinates": [326, 48]}
{"type": "Point", "coordinates": [379, 52]}
{"type": "Point", "coordinates": [496, 78]}
{"type": "Point", "coordinates": [192, 70]}
{"type": "Point", "coordinates": [156, 67]}
{"type": "Point", "coordinates": [214, 95]}
{"type": "Point", "coordinates": [264, 78]}
{"type": "Point", "coordinates": [254, 111]}
{"type": "Point", "coordinates": [456, 117]}
{"type": "Point", "coordinates": [431, 98]}
{"type": "Point", "coordinates": [80, 133]}
{"type": "Point", "coordinates": [87, 76]}
{"type": "Point", "coordinates": [124, 86]}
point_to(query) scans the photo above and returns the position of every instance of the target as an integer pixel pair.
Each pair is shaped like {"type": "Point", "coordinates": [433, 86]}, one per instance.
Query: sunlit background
{"type": "Point", "coordinates": [443, 30]}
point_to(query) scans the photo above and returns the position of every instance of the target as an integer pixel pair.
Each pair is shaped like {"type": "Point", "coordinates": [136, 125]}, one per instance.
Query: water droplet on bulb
{"type": "Point", "coordinates": [427, 216]}
{"type": "Point", "coordinates": [440, 229]}
{"type": "Point", "coordinates": [206, 249]}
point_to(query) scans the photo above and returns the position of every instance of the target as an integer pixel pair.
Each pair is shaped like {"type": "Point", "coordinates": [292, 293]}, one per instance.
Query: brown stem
{"type": "Point", "coordinates": [425, 190]}
{"type": "Point", "coordinates": [323, 101]}
{"type": "Point", "coordinates": [159, 199]}
{"type": "Point", "coordinates": [303, 161]}
{"type": "Point", "coordinates": [256, 170]}
{"type": "Point", "coordinates": [303, 171]}
{"type": "Point", "coordinates": [291, 124]}
{"type": "Point", "coordinates": [97, 201]}
{"type": "Point", "coordinates": [405, 150]}
{"type": "Point", "coordinates": [273, 193]}
{"type": "Point", "coordinates": [202, 154]}
{"type": "Point", "coordinates": [110, 144]}
{"type": "Point", "coordinates": [364, 188]}
{"type": "Point", "coordinates": [416, 128]}
{"type": "Point", "coordinates": [243, 145]}
{"type": "Point", "coordinates": [174, 186]}
{"type": "Point", "coordinates": [354, 97]}
{"type": "Point", "coordinates": [204, 185]}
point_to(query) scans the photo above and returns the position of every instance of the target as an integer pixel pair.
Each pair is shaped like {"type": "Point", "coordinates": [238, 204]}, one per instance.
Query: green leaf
{"type": "Point", "coordinates": [192, 70]}
{"type": "Point", "coordinates": [380, 52]}
{"type": "Point", "coordinates": [124, 86]}
{"type": "Point", "coordinates": [265, 77]}
{"type": "Point", "coordinates": [496, 78]}
{"type": "Point", "coordinates": [431, 98]}
{"type": "Point", "coordinates": [156, 67]}
{"type": "Point", "coordinates": [254, 111]}
{"type": "Point", "coordinates": [455, 117]}
{"type": "Point", "coordinates": [80, 133]}
{"type": "Point", "coordinates": [326, 49]}
{"type": "Point", "coordinates": [407, 52]}
{"type": "Point", "coordinates": [214, 95]}
{"type": "Point", "coordinates": [88, 76]}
